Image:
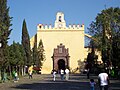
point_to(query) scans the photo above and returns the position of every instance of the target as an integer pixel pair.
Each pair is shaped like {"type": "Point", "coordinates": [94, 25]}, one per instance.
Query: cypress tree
{"type": "Point", "coordinates": [41, 54]}
{"type": "Point", "coordinates": [5, 23]}
{"type": "Point", "coordinates": [26, 44]}
{"type": "Point", "coordinates": [34, 54]}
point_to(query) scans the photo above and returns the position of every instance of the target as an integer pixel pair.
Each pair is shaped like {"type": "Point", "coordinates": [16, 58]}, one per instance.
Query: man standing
{"type": "Point", "coordinates": [30, 71]}
{"type": "Point", "coordinates": [103, 80]}
{"type": "Point", "coordinates": [88, 73]}
{"type": "Point", "coordinates": [54, 75]}
{"type": "Point", "coordinates": [67, 73]}
{"type": "Point", "coordinates": [62, 74]}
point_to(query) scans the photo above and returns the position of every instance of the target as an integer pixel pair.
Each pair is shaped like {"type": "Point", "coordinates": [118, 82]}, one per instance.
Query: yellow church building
{"type": "Point", "coordinates": [63, 45]}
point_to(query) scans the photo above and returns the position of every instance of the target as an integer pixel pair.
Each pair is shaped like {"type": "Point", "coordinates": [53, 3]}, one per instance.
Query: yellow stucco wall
{"type": "Point", "coordinates": [72, 37]}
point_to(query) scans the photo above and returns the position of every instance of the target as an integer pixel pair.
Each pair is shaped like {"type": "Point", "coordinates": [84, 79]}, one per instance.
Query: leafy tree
{"type": "Point", "coordinates": [16, 57]}
{"type": "Point", "coordinates": [92, 58]}
{"type": "Point", "coordinates": [106, 30]}
{"type": "Point", "coordinates": [26, 44]}
{"type": "Point", "coordinates": [5, 23]}
{"type": "Point", "coordinates": [16, 54]}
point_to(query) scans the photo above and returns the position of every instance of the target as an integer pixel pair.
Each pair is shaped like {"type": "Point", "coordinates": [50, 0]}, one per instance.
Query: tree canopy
{"type": "Point", "coordinates": [106, 32]}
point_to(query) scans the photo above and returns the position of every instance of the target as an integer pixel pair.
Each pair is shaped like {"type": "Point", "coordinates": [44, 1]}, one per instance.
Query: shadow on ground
{"type": "Point", "coordinates": [57, 85]}
{"type": "Point", "coordinates": [115, 85]}
{"type": "Point", "coordinates": [76, 82]}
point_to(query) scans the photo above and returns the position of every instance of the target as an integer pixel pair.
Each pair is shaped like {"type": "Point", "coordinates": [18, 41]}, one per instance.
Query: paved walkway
{"type": "Point", "coordinates": [45, 82]}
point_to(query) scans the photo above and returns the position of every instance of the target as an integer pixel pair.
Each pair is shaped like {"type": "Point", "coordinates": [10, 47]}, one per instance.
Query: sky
{"type": "Point", "coordinates": [44, 12]}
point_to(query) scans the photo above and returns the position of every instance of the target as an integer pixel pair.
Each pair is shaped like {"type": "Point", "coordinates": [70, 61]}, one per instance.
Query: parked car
{"type": "Point", "coordinates": [37, 70]}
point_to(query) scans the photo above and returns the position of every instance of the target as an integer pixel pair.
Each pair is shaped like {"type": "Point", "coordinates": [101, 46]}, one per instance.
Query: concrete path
{"type": "Point", "coordinates": [45, 82]}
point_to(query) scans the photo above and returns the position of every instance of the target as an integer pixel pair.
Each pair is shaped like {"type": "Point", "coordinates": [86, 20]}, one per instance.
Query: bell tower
{"type": "Point", "coordinates": [60, 22]}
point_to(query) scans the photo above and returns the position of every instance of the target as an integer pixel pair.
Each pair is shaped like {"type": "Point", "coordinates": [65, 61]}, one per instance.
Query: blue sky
{"type": "Point", "coordinates": [44, 11]}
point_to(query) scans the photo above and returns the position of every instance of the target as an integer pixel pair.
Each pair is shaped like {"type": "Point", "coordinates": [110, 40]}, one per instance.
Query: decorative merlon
{"type": "Point", "coordinates": [50, 27]}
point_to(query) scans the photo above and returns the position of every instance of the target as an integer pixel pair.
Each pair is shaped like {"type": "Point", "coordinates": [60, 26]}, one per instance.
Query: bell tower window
{"type": "Point", "coordinates": [60, 22]}
{"type": "Point", "coordinates": [60, 19]}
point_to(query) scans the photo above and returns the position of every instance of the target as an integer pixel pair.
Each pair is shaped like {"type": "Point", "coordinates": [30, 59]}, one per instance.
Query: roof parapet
{"type": "Point", "coordinates": [70, 26]}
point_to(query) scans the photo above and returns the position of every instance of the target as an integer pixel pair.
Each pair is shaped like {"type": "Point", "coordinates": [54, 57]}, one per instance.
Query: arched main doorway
{"type": "Point", "coordinates": [61, 64]}
{"type": "Point", "coordinates": [60, 57]}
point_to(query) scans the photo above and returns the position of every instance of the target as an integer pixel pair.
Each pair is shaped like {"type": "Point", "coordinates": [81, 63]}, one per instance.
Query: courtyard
{"type": "Point", "coordinates": [45, 82]}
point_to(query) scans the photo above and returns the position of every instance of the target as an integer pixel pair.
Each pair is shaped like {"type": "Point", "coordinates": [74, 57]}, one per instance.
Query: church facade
{"type": "Point", "coordinates": [64, 45]}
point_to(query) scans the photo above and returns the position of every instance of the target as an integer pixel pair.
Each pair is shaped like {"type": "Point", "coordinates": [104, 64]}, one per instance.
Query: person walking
{"type": "Point", "coordinates": [30, 71]}
{"type": "Point", "coordinates": [4, 77]}
{"type": "Point", "coordinates": [92, 84]}
{"type": "Point", "coordinates": [16, 76]}
{"type": "Point", "coordinates": [67, 73]}
{"type": "Point", "coordinates": [62, 74]}
{"type": "Point", "coordinates": [112, 73]}
{"type": "Point", "coordinates": [88, 73]}
{"type": "Point", "coordinates": [103, 80]}
{"type": "Point", "coordinates": [13, 75]}
{"type": "Point", "coordinates": [54, 75]}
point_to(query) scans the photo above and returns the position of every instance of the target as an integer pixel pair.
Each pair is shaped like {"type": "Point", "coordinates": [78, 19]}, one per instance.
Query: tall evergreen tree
{"type": "Point", "coordinates": [35, 54]}
{"type": "Point", "coordinates": [41, 54]}
{"type": "Point", "coordinates": [5, 23]}
{"type": "Point", "coordinates": [26, 44]}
